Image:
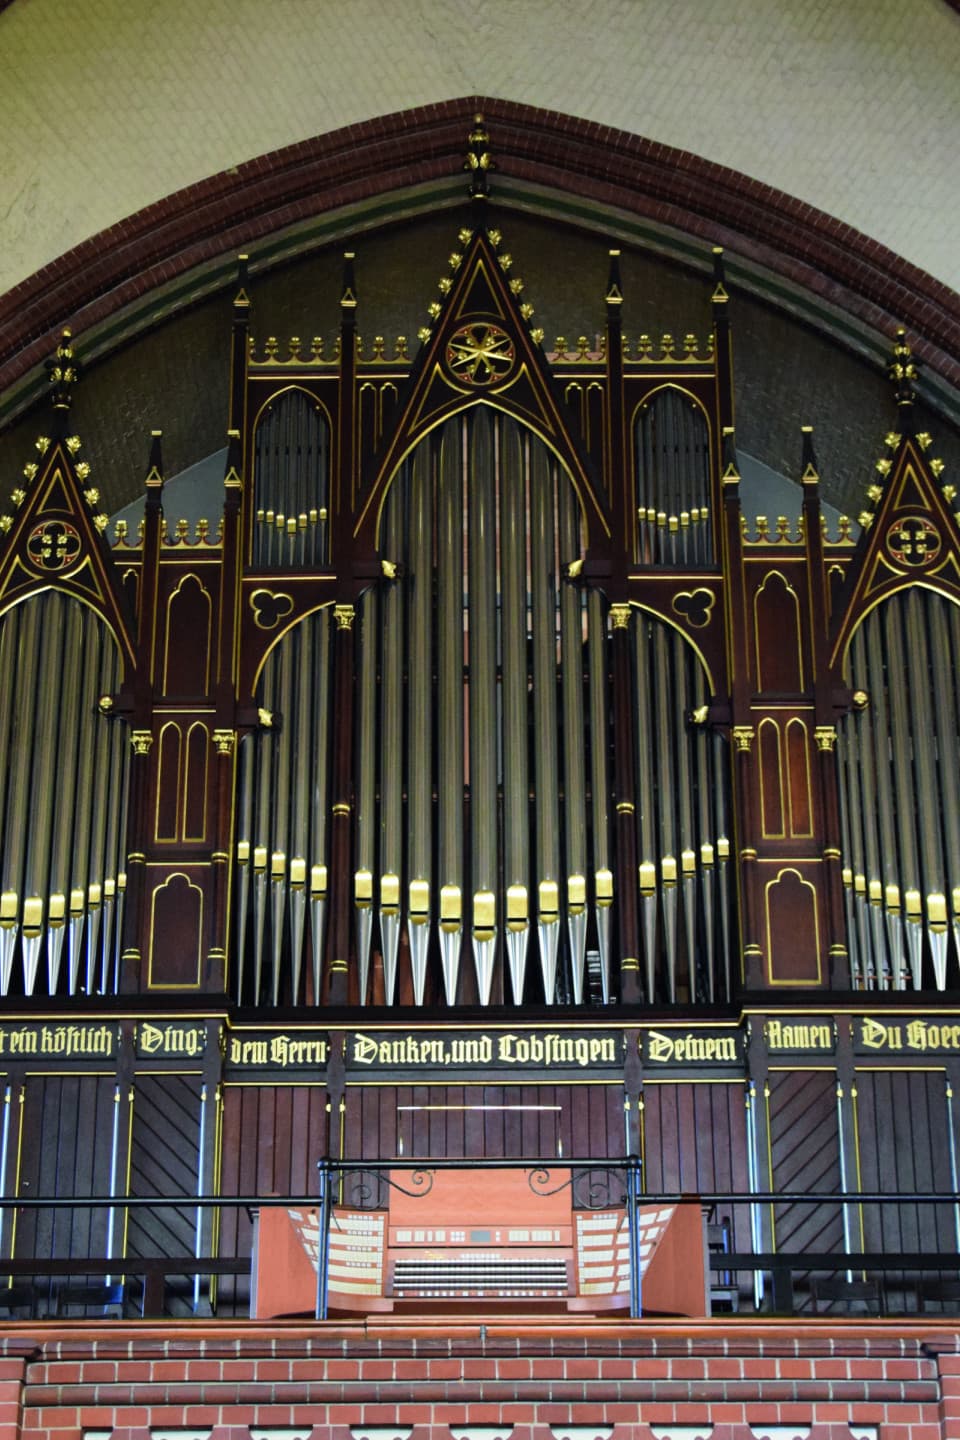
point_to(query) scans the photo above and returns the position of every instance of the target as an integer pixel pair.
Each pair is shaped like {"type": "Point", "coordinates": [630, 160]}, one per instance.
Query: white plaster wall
{"type": "Point", "coordinates": [850, 105]}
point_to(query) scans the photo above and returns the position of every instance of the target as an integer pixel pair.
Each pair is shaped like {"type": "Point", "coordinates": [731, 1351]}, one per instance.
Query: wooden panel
{"type": "Point", "coordinates": [805, 1155]}
{"type": "Point", "coordinates": [186, 662]}
{"type": "Point", "coordinates": [528, 1123]}
{"type": "Point", "coordinates": [67, 1134]}
{"type": "Point", "coordinates": [904, 1146]}
{"type": "Point", "coordinates": [272, 1138]}
{"type": "Point", "coordinates": [695, 1141]}
{"type": "Point", "coordinates": [164, 1161]}
{"type": "Point", "coordinates": [779, 652]}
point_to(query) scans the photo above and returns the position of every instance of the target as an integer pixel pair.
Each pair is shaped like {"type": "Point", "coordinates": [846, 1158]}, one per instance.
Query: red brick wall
{"type": "Point", "coordinates": [898, 1382]}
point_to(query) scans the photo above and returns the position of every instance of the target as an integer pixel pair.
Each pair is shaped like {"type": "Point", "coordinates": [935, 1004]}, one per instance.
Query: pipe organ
{"type": "Point", "coordinates": [483, 692]}
{"type": "Point", "coordinates": [482, 701]}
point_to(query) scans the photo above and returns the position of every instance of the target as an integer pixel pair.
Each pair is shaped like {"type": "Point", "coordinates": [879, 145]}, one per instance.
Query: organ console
{"type": "Point", "coordinates": [460, 1245]}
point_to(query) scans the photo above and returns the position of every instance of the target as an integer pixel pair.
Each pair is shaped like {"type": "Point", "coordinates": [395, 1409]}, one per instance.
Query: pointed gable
{"type": "Point", "coordinates": [480, 349]}
{"type": "Point", "coordinates": [911, 533]}
{"type": "Point", "coordinates": [51, 526]}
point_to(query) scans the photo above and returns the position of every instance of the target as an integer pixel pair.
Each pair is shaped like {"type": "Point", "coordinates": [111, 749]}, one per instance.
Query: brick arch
{"type": "Point", "coordinates": [598, 165]}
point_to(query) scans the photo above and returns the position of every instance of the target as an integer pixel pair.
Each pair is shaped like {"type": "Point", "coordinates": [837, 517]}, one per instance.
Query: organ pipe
{"type": "Point", "coordinates": [366, 831]}
{"type": "Point", "coordinates": [483, 697]}
{"type": "Point", "coordinates": [868, 643]}
{"type": "Point", "coordinates": [666, 794]}
{"type": "Point", "coordinates": [603, 875]}
{"type": "Point", "coordinates": [516, 780]}
{"type": "Point", "coordinates": [646, 728]}
{"type": "Point", "coordinates": [948, 733]}
{"type": "Point", "coordinates": [574, 787]}
{"type": "Point", "coordinates": [420, 717]}
{"type": "Point", "coordinates": [244, 853]}
{"type": "Point", "coordinates": [451, 704]}
{"type": "Point", "coordinates": [391, 751]}
{"type": "Point", "coordinates": [543, 567]}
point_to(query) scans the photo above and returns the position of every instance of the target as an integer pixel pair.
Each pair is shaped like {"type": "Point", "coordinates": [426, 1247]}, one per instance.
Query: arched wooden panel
{"type": "Point", "coordinates": [779, 645]}
{"type": "Point", "coordinates": [195, 780]}
{"type": "Point", "coordinates": [798, 779]}
{"type": "Point", "coordinates": [169, 777]}
{"type": "Point", "coordinates": [793, 930]}
{"type": "Point", "coordinates": [176, 933]}
{"type": "Point", "coordinates": [771, 779]}
{"type": "Point", "coordinates": [186, 655]}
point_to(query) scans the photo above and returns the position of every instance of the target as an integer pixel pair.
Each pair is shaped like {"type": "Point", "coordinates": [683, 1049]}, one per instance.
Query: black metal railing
{"type": "Point", "coordinates": [744, 1280]}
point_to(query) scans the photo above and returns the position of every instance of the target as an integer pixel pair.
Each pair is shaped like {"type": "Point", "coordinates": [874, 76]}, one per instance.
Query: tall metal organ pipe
{"type": "Point", "coordinates": [391, 748]}
{"type": "Point", "coordinates": [483, 695]}
{"type": "Point", "coordinates": [366, 787]}
{"type": "Point", "coordinates": [420, 720]}
{"type": "Point", "coordinates": [450, 623]}
{"type": "Point", "coordinates": [572, 619]}
{"type": "Point", "coordinates": [546, 790]}
{"type": "Point", "coordinates": [513, 643]}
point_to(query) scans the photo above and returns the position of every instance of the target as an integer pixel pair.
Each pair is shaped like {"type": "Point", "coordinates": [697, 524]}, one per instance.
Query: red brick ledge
{"type": "Point", "coordinates": [232, 210]}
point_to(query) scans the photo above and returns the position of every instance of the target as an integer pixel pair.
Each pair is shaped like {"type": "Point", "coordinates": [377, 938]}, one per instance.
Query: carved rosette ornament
{"type": "Point", "coordinates": [54, 545]}
{"type": "Point", "coordinates": [479, 354]}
